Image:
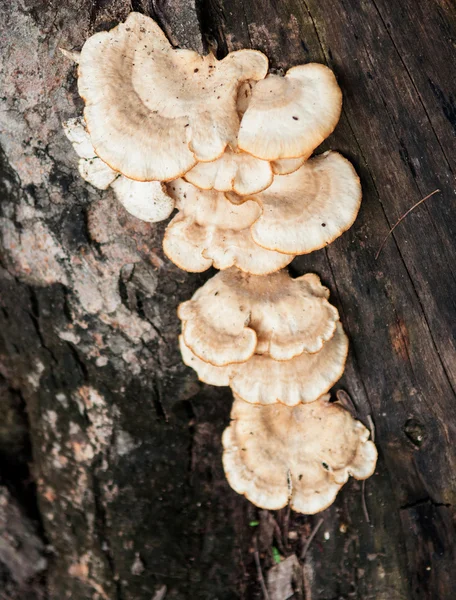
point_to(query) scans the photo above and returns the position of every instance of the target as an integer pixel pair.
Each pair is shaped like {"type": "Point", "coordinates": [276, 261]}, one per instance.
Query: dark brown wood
{"type": "Point", "coordinates": [126, 443]}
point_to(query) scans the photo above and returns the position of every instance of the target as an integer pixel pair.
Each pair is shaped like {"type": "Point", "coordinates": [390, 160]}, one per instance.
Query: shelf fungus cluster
{"type": "Point", "coordinates": [230, 146]}
{"type": "Point", "coordinates": [278, 343]}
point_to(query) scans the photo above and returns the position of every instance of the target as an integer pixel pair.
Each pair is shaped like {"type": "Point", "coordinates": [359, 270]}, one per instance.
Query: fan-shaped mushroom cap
{"type": "Point", "coordinates": [308, 209]}
{"type": "Point", "coordinates": [301, 455]}
{"type": "Point", "coordinates": [234, 315]}
{"type": "Point", "coordinates": [210, 207]}
{"type": "Point", "coordinates": [285, 166]}
{"type": "Point", "coordinates": [288, 117]}
{"type": "Point", "coordinates": [96, 172]}
{"type": "Point", "coordinates": [237, 172]}
{"type": "Point", "coordinates": [91, 168]}
{"type": "Point", "coordinates": [262, 380]}
{"type": "Point", "coordinates": [195, 248]}
{"type": "Point", "coordinates": [153, 111]}
{"type": "Point", "coordinates": [211, 231]}
{"type": "Point", "coordinates": [147, 201]}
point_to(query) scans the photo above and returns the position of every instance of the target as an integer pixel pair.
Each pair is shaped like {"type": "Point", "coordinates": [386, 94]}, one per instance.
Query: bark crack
{"type": "Point", "coordinates": [440, 358]}
{"type": "Point", "coordinates": [423, 501]}
{"type": "Point", "coordinates": [412, 81]}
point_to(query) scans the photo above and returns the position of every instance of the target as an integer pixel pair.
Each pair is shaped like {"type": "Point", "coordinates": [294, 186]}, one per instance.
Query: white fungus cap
{"type": "Point", "coordinates": [210, 231]}
{"type": "Point", "coordinates": [277, 455]}
{"type": "Point", "coordinates": [263, 380]}
{"type": "Point", "coordinates": [147, 201]}
{"type": "Point", "coordinates": [288, 117]}
{"type": "Point", "coordinates": [235, 315]}
{"type": "Point", "coordinates": [153, 111]}
{"type": "Point", "coordinates": [237, 172]}
{"type": "Point", "coordinates": [310, 208]}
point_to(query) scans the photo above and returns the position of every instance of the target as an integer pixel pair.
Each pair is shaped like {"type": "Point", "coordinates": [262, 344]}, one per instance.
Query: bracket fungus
{"type": "Point", "coordinates": [229, 146]}
{"type": "Point", "coordinates": [237, 172]}
{"type": "Point", "coordinates": [147, 201]}
{"type": "Point", "coordinates": [277, 455]}
{"type": "Point", "coordinates": [235, 315]}
{"type": "Point", "coordinates": [263, 380]}
{"type": "Point", "coordinates": [154, 111]}
{"type": "Point", "coordinates": [288, 117]}
{"type": "Point", "coordinates": [211, 231]}
{"type": "Point", "coordinates": [309, 208]}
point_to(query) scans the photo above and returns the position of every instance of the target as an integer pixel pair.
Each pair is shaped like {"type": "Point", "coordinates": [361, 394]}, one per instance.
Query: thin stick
{"type": "Point", "coordinates": [160, 593]}
{"type": "Point", "coordinates": [403, 217]}
{"type": "Point", "coordinates": [278, 536]}
{"type": "Point", "coordinates": [310, 538]}
{"type": "Point", "coordinates": [363, 501]}
{"type": "Point", "coordinates": [372, 427]}
{"type": "Point", "coordinates": [306, 582]}
{"type": "Point", "coordinates": [260, 573]}
{"type": "Point", "coordinates": [286, 526]}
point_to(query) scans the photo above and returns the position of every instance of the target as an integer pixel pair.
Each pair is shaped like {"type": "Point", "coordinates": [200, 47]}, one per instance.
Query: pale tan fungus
{"type": "Point", "coordinates": [285, 166]}
{"type": "Point", "coordinates": [277, 455]}
{"type": "Point", "coordinates": [147, 201]}
{"type": "Point", "coordinates": [237, 172]}
{"type": "Point", "coordinates": [310, 208]}
{"type": "Point", "coordinates": [288, 117]}
{"type": "Point", "coordinates": [210, 231]}
{"type": "Point", "coordinates": [210, 207]}
{"type": "Point", "coordinates": [195, 248]}
{"type": "Point", "coordinates": [234, 315]}
{"type": "Point", "coordinates": [153, 111]}
{"type": "Point", "coordinates": [262, 380]}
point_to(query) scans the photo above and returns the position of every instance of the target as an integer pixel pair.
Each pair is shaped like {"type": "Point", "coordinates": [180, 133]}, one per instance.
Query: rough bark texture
{"type": "Point", "coordinates": [129, 493]}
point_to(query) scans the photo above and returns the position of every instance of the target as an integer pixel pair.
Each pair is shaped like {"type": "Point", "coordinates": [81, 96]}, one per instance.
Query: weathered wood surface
{"type": "Point", "coordinates": [126, 444]}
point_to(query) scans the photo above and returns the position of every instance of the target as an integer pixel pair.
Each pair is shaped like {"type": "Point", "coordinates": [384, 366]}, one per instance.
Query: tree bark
{"type": "Point", "coordinates": [129, 500]}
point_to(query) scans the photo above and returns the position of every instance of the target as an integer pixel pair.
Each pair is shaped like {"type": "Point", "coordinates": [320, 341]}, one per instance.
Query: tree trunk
{"type": "Point", "coordinates": [130, 494]}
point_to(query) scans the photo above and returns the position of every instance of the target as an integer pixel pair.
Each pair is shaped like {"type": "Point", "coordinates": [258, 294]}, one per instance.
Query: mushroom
{"type": "Point", "coordinates": [277, 455]}
{"type": "Point", "coordinates": [234, 315]}
{"type": "Point", "coordinates": [154, 111]}
{"type": "Point", "coordinates": [195, 248]}
{"type": "Point", "coordinates": [237, 172]}
{"type": "Point", "coordinates": [210, 231]}
{"type": "Point", "coordinates": [279, 167]}
{"type": "Point", "coordinates": [147, 201]}
{"type": "Point", "coordinates": [91, 168]}
{"type": "Point", "coordinates": [288, 117]}
{"type": "Point", "coordinates": [310, 208]}
{"type": "Point", "coordinates": [285, 166]}
{"type": "Point", "coordinates": [262, 380]}
{"type": "Point", "coordinates": [210, 207]}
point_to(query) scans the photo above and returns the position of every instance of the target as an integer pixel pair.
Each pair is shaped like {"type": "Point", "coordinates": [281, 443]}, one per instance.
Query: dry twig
{"type": "Point", "coordinates": [371, 427]}
{"type": "Point", "coordinates": [363, 501]}
{"type": "Point", "coordinates": [310, 538]}
{"type": "Point", "coordinates": [286, 526]}
{"type": "Point", "coordinates": [260, 572]}
{"type": "Point", "coordinates": [403, 217]}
